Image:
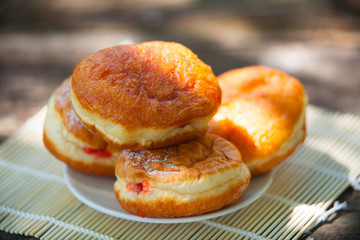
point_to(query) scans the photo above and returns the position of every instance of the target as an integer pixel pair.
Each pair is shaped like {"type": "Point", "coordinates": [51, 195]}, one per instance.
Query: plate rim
{"type": "Point", "coordinates": [187, 219]}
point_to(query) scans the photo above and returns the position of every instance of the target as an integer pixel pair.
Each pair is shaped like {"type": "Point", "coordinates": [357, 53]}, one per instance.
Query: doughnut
{"type": "Point", "coordinates": [262, 113]}
{"type": "Point", "coordinates": [145, 96]}
{"type": "Point", "coordinates": [191, 178]}
{"type": "Point", "coordinates": [70, 141]}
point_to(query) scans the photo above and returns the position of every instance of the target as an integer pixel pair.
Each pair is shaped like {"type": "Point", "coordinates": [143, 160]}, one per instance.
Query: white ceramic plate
{"type": "Point", "coordinates": [97, 193]}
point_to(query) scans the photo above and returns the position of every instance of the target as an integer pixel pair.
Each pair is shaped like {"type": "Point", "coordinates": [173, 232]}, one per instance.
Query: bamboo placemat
{"type": "Point", "coordinates": [34, 199]}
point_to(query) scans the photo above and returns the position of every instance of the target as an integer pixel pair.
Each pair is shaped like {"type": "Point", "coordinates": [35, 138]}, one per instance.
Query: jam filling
{"type": "Point", "coordinates": [139, 187]}
{"type": "Point", "coordinates": [139, 213]}
{"type": "Point", "coordinates": [98, 152]}
{"type": "Point", "coordinates": [183, 125]}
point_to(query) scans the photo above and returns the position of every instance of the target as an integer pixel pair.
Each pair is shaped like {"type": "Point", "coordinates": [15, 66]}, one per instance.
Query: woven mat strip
{"type": "Point", "coordinates": [34, 199]}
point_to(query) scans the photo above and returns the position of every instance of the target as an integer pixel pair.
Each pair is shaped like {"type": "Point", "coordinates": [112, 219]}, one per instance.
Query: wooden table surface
{"type": "Point", "coordinates": [316, 41]}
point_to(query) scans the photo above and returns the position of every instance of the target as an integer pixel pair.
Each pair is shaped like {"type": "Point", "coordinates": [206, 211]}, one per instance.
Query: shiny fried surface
{"type": "Point", "coordinates": [70, 142]}
{"type": "Point", "coordinates": [152, 84]}
{"type": "Point", "coordinates": [191, 160]}
{"type": "Point", "coordinates": [187, 179]}
{"type": "Point", "coordinates": [70, 121]}
{"type": "Point", "coordinates": [260, 110]}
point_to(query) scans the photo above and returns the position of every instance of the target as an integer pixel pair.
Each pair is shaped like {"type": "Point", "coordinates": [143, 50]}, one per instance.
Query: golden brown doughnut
{"type": "Point", "coordinates": [69, 140]}
{"type": "Point", "coordinates": [262, 113]}
{"type": "Point", "coordinates": [147, 95]}
{"type": "Point", "coordinates": [191, 178]}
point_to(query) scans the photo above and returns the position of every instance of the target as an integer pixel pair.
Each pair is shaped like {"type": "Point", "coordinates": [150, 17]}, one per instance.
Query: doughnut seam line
{"type": "Point", "coordinates": [30, 171]}
{"type": "Point", "coordinates": [235, 230]}
{"type": "Point", "coordinates": [54, 221]}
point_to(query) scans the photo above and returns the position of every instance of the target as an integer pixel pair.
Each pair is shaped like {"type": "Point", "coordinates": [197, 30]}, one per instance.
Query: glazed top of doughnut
{"type": "Point", "coordinates": [260, 108]}
{"type": "Point", "coordinates": [187, 161]}
{"type": "Point", "coordinates": [152, 84]}
{"type": "Point", "coordinates": [71, 122]}
{"type": "Point", "coordinates": [257, 82]}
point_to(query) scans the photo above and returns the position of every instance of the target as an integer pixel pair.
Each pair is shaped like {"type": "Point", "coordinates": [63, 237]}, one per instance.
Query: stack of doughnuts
{"type": "Point", "coordinates": [141, 112]}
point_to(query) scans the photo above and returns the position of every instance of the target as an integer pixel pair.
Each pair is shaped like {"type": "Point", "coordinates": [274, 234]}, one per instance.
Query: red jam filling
{"type": "Point", "coordinates": [145, 186]}
{"type": "Point", "coordinates": [89, 150]}
{"type": "Point", "coordinates": [140, 214]}
{"type": "Point", "coordinates": [139, 187]}
{"type": "Point", "coordinates": [134, 187]}
{"type": "Point", "coordinates": [183, 125]}
{"type": "Point", "coordinates": [103, 153]}
{"type": "Point", "coordinates": [98, 152]}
